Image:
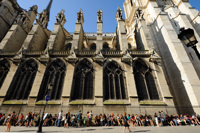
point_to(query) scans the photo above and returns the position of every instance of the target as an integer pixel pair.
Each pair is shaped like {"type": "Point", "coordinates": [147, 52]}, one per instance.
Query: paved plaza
{"type": "Point", "coordinates": [181, 129]}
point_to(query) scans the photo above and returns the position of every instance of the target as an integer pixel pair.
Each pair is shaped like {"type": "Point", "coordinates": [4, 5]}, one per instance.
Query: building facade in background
{"type": "Point", "coordinates": [142, 67]}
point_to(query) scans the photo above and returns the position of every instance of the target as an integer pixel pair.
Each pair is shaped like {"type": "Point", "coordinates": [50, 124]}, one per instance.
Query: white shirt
{"type": "Point", "coordinates": [60, 115]}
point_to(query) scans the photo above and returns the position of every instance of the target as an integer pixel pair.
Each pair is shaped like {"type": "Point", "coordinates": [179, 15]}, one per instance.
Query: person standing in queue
{"type": "Point", "coordinates": [9, 123]}
{"type": "Point", "coordinates": [125, 122]}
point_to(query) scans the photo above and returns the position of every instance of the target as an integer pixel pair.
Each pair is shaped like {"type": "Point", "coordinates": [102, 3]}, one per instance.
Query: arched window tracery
{"type": "Point", "coordinates": [23, 81]}
{"type": "Point", "coordinates": [54, 75]}
{"type": "Point", "coordinates": [83, 82]}
{"type": "Point", "coordinates": [106, 46]}
{"type": "Point", "coordinates": [129, 46]}
{"type": "Point", "coordinates": [4, 69]}
{"type": "Point", "coordinates": [68, 46]}
{"type": "Point", "coordinates": [114, 82]}
{"type": "Point", "coordinates": [93, 46]}
{"type": "Point", "coordinates": [144, 80]}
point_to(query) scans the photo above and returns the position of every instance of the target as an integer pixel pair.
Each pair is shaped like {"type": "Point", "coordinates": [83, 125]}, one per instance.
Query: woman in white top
{"type": "Point", "coordinates": [63, 120]}
{"type": "Point", "coordinates": [156, 119]}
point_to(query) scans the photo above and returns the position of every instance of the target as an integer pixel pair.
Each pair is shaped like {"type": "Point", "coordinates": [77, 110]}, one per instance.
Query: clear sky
{"type": "Point", "coordinates": [89, 7]}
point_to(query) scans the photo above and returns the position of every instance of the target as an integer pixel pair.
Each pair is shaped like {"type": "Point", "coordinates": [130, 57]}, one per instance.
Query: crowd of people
{"type": "Point", "coordinates": [76, 120]}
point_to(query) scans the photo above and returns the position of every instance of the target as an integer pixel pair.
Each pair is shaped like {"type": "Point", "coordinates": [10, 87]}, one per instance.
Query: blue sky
{"type": "Point", "coordinates": [89, 7]}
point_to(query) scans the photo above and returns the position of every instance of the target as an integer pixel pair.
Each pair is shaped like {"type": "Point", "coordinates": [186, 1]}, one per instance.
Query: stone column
{"type": "Point", "coordinates": [122, 35]}
{"type": "Point", "coordinates": [68, 84]}
{"type": "Point", "coordinates": [131, 86]}
{"type": "Point", "coordinates": [78, 33]}
{"type": "Point", "coordinates": [36, 39]}
{"type": "Point", "coordinates": [121, 31]}
{"type": "Point", "coordinates": [7, 82]}
{"type": "Point", "coordinates": [57, 38]}
{"type": "Point", "coordinates": [98, 84]}
{"type": "Point", "coordinates": [181, 73]}
{"type": "Point", "coordinates": [143, 37]}
{"type": "Point", "coordinates": [99, 29]}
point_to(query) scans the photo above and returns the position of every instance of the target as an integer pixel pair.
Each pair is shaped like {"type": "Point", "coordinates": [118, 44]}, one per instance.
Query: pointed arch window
{"type": "Point", "coordinates": [4, 69]}
{"type": "Point", "coordinates": [106, 46]}
{"type": "Point", "coordinates": [93, 46]}
{"type": "Point", "coordinates": [23, 81]}
{"type": "Point", "coordinates": [114, 82]}
{"type": "Point", "coordinates": [83, 82]}
{"type": "Point", "coordinates": [129, 46]}
{"type": "Point", "coordinates": [68, 47]}
{"type": "Point", "coordinates": [55, 75]}
{"type": "Point", "coordinates": [144, 80]}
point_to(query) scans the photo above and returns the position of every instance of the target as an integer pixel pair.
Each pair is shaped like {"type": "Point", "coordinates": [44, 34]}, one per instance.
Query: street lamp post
{"type": "Point", "coordinates": [189, 39]}
{"type": "Point", "coordinates": [47, 98]}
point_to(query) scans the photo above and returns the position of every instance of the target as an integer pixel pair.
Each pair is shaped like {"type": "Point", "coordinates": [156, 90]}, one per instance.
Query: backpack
{"type": "Point", "coordinates": [79, 116]}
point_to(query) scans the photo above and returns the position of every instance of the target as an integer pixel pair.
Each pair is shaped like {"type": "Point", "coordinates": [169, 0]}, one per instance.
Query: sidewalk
{"type": "Point", "coordinates": [181, 129]}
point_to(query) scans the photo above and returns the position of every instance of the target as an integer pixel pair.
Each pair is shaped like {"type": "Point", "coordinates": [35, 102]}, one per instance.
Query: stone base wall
{"type": "Point", "coordinates": [107, 109]}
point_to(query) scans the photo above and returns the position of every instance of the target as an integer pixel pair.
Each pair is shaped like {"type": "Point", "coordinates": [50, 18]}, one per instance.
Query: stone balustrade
{"type": "Point", "coordinates": [10, 54]}
{"type": "Point", "coordinates": [33, 53]}
{"type": "Point", "coordinates": [112, 53]}
{"type": "Point", "coordinates": [86, 53]}
{"type": "Point", "coordinates": [140, 53]}
{"type": "Point", "coordinates": [59, 53]}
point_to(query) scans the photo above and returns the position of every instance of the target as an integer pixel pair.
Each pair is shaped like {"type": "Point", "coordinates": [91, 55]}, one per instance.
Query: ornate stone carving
{"type": "Point", "coordinates": [23, 19]}
{"type": "Point", "coordinates": [155, 57]}
{"type": "Point", "coordinates": [43, 19]}
{"type": "Point", "coordinates": [99, 16]}
{"type": "Point", "coordinates": [139, 13]}
{"type": "Point", "coordinates": [99, 58]}
{"type": "Point", "coordinates": [61, 18]}
{"type": "Point", "coordinates": [34, 8]}
{"type": "Point", "coordinates": [80, 18]}
{"type": "Point", "coordinates": [72, 57]}
{"type": "Point", "coordinates": [127, 58]}
{"type": "Point", "coordinates": [119, 15]}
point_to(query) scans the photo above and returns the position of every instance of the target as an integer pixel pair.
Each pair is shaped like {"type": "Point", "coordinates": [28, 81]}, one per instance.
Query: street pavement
{"type": "Point", "coordinates": [181, 129]}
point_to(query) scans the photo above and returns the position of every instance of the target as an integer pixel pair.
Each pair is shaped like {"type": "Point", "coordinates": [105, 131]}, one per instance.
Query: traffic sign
{"type": "Point", "coordinates": [47, 97]}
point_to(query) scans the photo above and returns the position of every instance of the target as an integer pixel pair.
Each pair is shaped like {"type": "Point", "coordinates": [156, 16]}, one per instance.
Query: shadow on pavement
{"type": "Point", "coordinates": [88, 130]}
{"type": "Point", "coordinates": [26, 131]}
{"type": "Point", "coordinates": [141, 131]}
{"type": "Point", "coordinates": [108, 128]}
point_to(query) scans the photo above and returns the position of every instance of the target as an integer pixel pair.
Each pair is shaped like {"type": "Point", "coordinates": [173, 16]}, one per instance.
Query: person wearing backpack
{"type": "Point", "coordinates": [125, 122]}
{"type": "Point", "coordinates": [79, 117]}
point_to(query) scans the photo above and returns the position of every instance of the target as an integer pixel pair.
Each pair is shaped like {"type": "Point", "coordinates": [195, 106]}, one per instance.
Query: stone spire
{"type": "Point", "coordinates": [119, 14]}
{"type": "Point", "coordinates": [49, 8]}
{"type": "Point", "coordinates": [60, 19]}
{"type": "Point", "coordinates": [44, 16]}
{"type": "Point", "coordinates": [99, 15]}
{"type": "Point", "coordinates": [80, 18]}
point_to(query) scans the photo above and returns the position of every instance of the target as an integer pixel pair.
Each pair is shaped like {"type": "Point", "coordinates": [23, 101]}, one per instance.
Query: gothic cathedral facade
{"type": "Point", "coordinates": [140, 68]}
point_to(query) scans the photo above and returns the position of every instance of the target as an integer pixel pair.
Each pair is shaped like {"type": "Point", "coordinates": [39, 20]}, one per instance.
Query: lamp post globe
{"type": "Point", "coordinates": [187, 36]}
{"type": "Point", "coordinates": [47, 98]}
